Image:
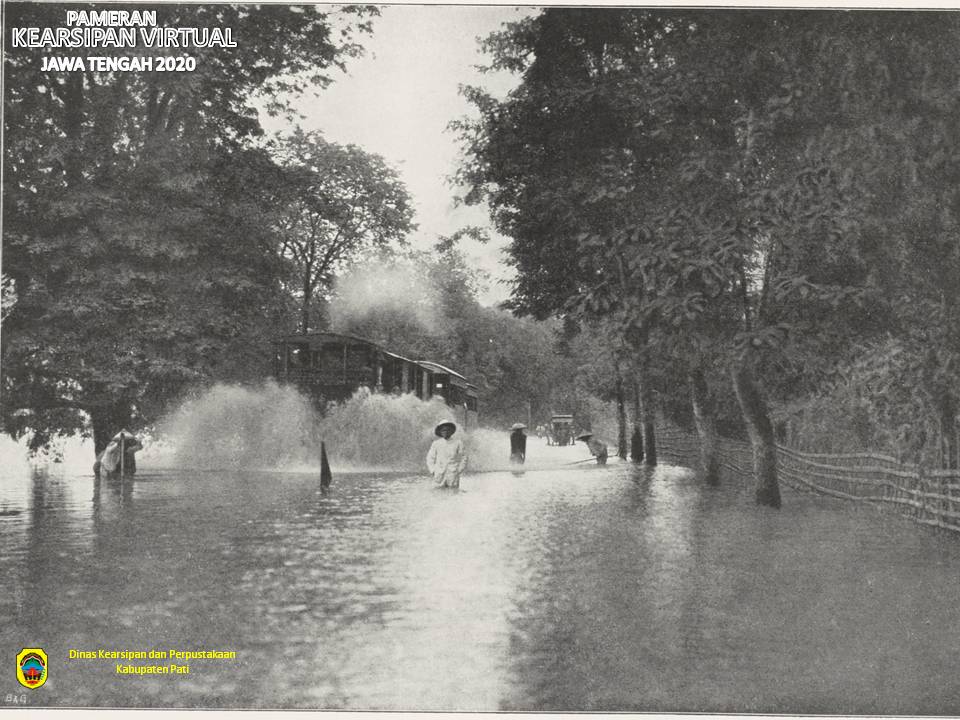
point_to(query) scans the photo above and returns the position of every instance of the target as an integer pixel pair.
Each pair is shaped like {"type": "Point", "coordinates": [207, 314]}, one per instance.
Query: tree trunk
{"type": "Point", "coordinates": [621, 418]}
{"type": "Point", "coordinates": [757, 418]}
{"type": "Point", "coordinates": [648, 415]}
{"type": "Point", "coordinates": [636, 439]}
{"type": "Point", "coordinates": [706, 427]}
{"type": "Point", "coordinates": [107, 421]}
{"type": "Point", "coordinates": [305, 310]}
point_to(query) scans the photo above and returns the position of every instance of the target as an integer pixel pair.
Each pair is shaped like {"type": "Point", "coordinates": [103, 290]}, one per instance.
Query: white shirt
{"type": "Point", "coordinates": [446, 454]}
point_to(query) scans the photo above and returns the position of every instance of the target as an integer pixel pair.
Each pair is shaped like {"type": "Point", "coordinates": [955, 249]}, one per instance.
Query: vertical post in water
{"type": "Point", "coordinates": [326, 477]}
{"type": "Point", "coordinates": [123, 454]}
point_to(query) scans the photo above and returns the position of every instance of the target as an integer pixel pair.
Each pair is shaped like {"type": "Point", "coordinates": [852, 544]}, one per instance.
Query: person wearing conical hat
{"type": "Point", "coordinates": [597, 448]}
{"type": "Point", "coordinates": [518, 444]}
{"type": "Point", "coordinates": [446, 459]}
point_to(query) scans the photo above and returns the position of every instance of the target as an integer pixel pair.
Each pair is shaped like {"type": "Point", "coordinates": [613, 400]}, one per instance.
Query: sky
{"type": "Point", "coordinates": [397, 101]}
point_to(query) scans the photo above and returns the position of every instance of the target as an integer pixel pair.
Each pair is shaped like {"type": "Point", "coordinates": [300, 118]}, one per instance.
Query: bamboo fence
{"type": "Point", "coordinates": [926, 496]}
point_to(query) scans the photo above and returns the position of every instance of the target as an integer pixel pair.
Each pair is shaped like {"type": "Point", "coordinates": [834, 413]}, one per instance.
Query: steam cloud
{"type": "Point", "coordinates": [397, 291]}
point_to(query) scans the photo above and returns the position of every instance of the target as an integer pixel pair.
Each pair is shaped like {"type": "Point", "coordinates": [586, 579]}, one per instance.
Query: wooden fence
{"type": "Point", "coordinates": [926, 496]}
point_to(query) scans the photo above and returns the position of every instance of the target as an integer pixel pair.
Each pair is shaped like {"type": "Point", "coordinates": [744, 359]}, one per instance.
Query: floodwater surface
{"type": "Point", "coordinates": [577, 588]}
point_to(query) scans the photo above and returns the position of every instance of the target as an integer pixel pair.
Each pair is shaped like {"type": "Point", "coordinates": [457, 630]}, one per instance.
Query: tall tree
{"type": "Point", "coordinates": [548, 161]}
{"type": "Point", "coordinates": [710, 175]}
{"type": "Point", "coordinates": [134, 227]}
{"type": "Point", "coordinates": [338, 205]}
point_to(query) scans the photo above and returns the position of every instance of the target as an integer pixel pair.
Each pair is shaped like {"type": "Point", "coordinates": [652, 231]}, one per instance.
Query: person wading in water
{"type": "Point", "coordinates": [597, 448]}
{"type": "Point", "coordinates": [446, 459]}
{"type": "Point", "coordinates": [518, 444]}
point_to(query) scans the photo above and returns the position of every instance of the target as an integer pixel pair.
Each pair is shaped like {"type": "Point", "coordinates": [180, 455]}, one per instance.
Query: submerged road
{"type": "Point", "coordinates": [577, 588]}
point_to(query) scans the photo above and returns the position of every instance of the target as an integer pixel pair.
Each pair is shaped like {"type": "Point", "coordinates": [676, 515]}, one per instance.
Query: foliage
{"type": "Point", "coordinates": [747, 187]}
{"type": "Point", "coordinates": [337, 204]}
{"type": "Point", "coordinates": [134, 224]}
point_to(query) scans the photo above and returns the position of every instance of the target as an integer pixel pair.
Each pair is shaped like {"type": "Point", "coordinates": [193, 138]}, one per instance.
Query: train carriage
{"type": "Point", "coordinates": [330, 367]}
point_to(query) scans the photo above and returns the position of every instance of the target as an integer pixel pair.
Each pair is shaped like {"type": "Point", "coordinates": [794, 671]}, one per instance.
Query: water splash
{"type": "Point", "coordinates": [275, 427]}
{"type": "Point", "coordinates": [231, 426]}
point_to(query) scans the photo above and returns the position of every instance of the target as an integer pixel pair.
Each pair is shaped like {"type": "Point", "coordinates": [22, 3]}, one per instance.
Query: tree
{"type": "Point", "coordinates": [339, 203]}
{"type": "Point", "coordinates": [718, 176]}
{"type": "Point", "coordinates": [134, 226]}
{"type": "Point", "coordinates": [549, 162]}
{"type": "Point", "coordinates": [129, 309]}
{"type": "Point", "coordinates": [835, 148]}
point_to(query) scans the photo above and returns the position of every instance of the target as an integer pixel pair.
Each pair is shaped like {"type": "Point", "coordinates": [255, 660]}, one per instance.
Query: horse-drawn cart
{"type": "Point", "coordinates": [561, 430]}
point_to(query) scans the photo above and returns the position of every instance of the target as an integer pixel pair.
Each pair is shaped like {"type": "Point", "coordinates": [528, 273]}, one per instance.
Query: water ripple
{"type": "Point", "coordinates": [562, 589]}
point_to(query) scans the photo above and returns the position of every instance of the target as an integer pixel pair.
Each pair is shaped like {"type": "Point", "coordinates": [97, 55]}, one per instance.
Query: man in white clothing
{"type": "Point", "coordinates": [446, 458]}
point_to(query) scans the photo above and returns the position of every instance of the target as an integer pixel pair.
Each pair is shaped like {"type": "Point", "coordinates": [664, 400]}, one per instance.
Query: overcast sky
{"type": "Point", "coordinates": [398, 99]}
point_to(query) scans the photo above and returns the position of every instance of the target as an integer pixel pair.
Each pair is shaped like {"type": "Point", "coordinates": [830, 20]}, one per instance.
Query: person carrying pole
{"type": "Point", "coordinates": [597, 448]}
{"type": "Point", "coordinates": [446, 459]}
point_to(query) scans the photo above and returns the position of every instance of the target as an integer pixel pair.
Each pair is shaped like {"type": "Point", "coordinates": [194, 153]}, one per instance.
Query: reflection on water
{"type": "Point", "coordinates": [578, 588]}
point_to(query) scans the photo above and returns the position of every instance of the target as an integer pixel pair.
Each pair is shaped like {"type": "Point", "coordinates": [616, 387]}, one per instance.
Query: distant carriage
{"type": "Point", "coordinates": [330, 367]}
{"type": "Point", "coordinates": [561, 430]}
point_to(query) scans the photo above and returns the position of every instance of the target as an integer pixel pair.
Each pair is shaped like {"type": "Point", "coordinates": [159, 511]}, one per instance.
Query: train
{"type": "Point", "coordinates": [330, 367]}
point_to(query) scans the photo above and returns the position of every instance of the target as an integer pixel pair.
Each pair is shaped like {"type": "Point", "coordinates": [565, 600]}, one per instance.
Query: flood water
{"type": "Point", "coordinates": [578, 588]}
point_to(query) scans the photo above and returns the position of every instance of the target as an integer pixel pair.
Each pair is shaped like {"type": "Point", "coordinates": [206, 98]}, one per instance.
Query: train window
{"type": "Point", "coordinates": [298, 355]}
{"type": "Point", "coordinates": [471, 402]}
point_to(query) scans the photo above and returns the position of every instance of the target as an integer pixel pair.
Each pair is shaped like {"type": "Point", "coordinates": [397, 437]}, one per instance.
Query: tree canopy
{"type": "Point", "coordinates": [135, 233]}
{"type": "Point", "coordinates": [729, 182]}
{"type": "Point", "coordinates": [338, 204]}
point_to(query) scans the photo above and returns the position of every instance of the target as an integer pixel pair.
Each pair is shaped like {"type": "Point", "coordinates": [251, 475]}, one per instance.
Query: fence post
{"type": "Point", "coordinates": [944, 503]}
{"type": "Point", "coordinates": [921, 493]}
